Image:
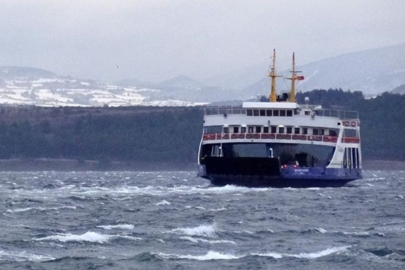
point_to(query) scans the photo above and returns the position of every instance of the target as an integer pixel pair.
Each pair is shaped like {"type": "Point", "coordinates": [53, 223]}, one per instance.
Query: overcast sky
{"type": "Point", "coordinates": [154, 40]}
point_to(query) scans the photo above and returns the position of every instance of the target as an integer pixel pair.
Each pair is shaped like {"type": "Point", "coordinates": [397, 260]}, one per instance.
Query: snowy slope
{"type": "Point", "coordinates": [31, 89]}
{"type": "Point", "coordinates": [372, 72]}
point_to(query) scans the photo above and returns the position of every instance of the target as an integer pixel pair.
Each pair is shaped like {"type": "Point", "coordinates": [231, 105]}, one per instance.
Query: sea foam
{"type": "Point", "coordinates": [202, 230]}
{"type": "Point", "coordinates": [312, 255]}
{"type": "Point", "coordinates": [196, 240]}
{"type": "Point", "coordinates": [211, 255]}
{"type": "Point", "coordinates": [118, 226]}
{"type": "Point", "coordinates": [24, 256]}
{"type": "Point", "coordinates": [86, 237]}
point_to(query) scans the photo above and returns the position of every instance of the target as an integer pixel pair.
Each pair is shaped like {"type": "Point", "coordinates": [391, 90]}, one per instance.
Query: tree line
{"type": "Point", "coordinates": [169, 134]}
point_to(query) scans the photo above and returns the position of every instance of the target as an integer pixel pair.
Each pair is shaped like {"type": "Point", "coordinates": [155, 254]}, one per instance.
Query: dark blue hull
{"type": "Point", "coordinates": [292, 176]}
{"type": "Point", "coordinates": [279, 182]}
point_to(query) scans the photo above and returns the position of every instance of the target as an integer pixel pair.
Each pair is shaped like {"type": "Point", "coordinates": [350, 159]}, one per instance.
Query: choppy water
{"type": "Point", "coordinates": [173, 220]}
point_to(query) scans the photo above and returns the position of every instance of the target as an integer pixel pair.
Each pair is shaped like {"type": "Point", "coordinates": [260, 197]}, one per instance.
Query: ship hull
{"type": "Point", "coordinates": [277, 182]}
{"type": "Point", "coordinates": [266, 172]}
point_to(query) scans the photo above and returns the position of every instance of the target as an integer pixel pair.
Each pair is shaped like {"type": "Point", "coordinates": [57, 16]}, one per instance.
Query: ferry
{"type": "Point", "coordinates": [280, 143]}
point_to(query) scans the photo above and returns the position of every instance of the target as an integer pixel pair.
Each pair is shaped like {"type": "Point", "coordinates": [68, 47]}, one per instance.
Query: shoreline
{"type": "Point", "coordinates": [48, 164]}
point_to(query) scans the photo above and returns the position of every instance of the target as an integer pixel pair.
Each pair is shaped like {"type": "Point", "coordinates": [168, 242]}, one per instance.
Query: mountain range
{"type": "Point", "coordinates": [371, 71]}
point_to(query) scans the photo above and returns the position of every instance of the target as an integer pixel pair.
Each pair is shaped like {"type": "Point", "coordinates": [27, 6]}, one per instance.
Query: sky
{"type": "Point", "coordinates": [155, 40]}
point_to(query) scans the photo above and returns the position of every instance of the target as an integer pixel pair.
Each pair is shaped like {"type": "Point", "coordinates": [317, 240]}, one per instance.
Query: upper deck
{"type": "Point", "coordinates": [285, 109]}
{"type": "Point", "coordinates": [282, 121]}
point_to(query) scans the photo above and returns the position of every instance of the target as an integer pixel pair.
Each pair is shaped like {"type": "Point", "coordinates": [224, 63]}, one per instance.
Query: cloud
{"type": "Point", "coordinates": [158, 39]}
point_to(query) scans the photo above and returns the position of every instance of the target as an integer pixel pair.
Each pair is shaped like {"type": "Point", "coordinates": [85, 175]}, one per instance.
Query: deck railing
{"type": "Point", "coordinates": [340, 114]}
{"type": "Point", "coordinates": [277, 136]}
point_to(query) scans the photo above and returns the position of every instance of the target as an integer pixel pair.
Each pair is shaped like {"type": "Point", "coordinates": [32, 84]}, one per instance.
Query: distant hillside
{"type": "Point", "coordinates": [181, 82]}
{"type": "Point", "coordinates": [170, 135]}
{"type": "Point", "coordinates": [372, 72]}
{"type": "Point", "coordinates": [24, 72]}
{"type": "Point", "coordinates": [400, 89]}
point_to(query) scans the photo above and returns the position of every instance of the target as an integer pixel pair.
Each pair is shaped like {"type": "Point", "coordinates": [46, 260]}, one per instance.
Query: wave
{"type": "Point", "coordinates": [211, 255]}
{"type": "Point", "coordinates": [313, 255]}
{"type": "Point", "coordinates": [80, 193]}
{"type": "Point", "coordinates": [214, 255]}
{"type": "Point", "coordinates": [24, 256]}
{"type": "Point", "coordinates": [118, 226]}
{"type": "Point", "coordinates": [360, 234]}
{"type": "Point", "coordinates": [321, 230]}
{"type": "Point", "coordinates": [196, 240]}
{"type": "Point", "coordinates": [92, 237]}
{"type": "Point", "coordinates": [164, 202]}
{"type": "Point", "coordinates": [18, 210]}
{"type": "Point", "coordinates": [202, 230]}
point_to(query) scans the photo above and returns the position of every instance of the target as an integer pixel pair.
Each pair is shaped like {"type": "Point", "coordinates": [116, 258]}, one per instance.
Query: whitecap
{"type": "Point", "coordinates": [86, 237]}
{"type": "Point", "coordinates": [196, 240]}
{"type": "Point", "coordinates": [118, 226]}
{"type": "Point", "coordinates": [313, 255]}
{"type": "Point", "coordinates": [319, 254]}
{"type": "Point", "coordinates": [219, 209]}
{"type": "Point", "coordinates": [24, 256]}
{"type": "Point", "coordinates": [357, 233]}
{"type": "Point", "coordinates": [18, 210]}
{"type": "Point", "coordinates": [321, 230]}
{"type": "Point", "coordinates": [127, 237]}
{"type": "Point", "coordinates": [202, 230]}
{"type": "Point", "coordinates": [211, 255]}
{"type": "Point", "coordinates": [164, 202]}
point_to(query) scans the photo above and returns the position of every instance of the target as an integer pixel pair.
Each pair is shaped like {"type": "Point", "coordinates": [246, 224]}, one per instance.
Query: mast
{"type": "Point", "coordinates": [294, 78]}
{"type": "Point", "coordinates": [273, 76]}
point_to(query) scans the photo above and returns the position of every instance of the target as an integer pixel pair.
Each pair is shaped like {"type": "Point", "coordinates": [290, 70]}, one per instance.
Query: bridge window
{"type": "Point", "coordinates": [273, 129]}
{"type": "Point", "coordinates": [249, 112]}
{"type": "Point", "coordinates": [296, 130]}
{"type": "Point", "coordinates": [281, 130]}
{"type": "Point", "coordinates": [265, 129]}
{"type": "Point", "coordinates": [214, 129]}
{"type": "Point", "coordinates": [258, 129]}
{"type": "Point", "coordinates": [226, 129]}
{"type": "Point", "coordinates": [282, 112]}
{"type": "Point", "coordinates": [275, 112]}
{"type": "Point", "coordinates": [250, 129]}
{"type": "Point", "coordinates": [289, 130]}
{"type": "Point", "coordinates": [243, 130]}
{"type": "Point", "coordinates": [262, 112]}
{"type": "Point", "coordinates": [304, 130]}
{"type": "Point", "coordinates": [269, 112]}
{"type": "Point", "coordinates": [349, 132]}
{"type": "Point", "coordinates": [333, 132]}
{"type": "Point", "coordinates": [256, 112]}
{"type": "Point", "coordinates": [289, 112]}
{"type": "Point", "coordinates": [315, 131]}
{"type": "Point", "coordinates": [235, 129]}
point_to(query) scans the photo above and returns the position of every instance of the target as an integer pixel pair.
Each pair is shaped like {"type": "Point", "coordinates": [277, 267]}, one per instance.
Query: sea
{"type": "Point", "coordinates": [175, 220]}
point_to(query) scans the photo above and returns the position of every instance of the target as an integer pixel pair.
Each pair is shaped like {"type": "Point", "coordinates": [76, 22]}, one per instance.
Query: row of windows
{"type": "Point", "coordinates": [281, 129]}
{"type": "Point", "coordinates": [263, 112]}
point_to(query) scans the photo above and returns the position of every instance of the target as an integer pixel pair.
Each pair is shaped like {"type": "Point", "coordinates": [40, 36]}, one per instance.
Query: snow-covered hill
{"type": "Point", "coordinates": [372, 72]}
{"type": "Point", "coordinates": [30, 86]}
